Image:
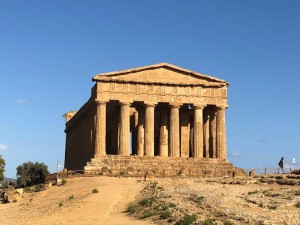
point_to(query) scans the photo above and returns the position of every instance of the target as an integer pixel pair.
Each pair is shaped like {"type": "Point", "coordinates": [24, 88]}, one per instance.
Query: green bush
{"type": "Point", "coordinates": [30, 173]}
{"type": "Point", "coordinates": [209, 222]}
{"type": "Point", "coordinates": [172, 205]}
{"type": "Point", "coordinates": [272, 207]}
{"type": "Point", "coordinates": [165, 214]}
{"type": "Point", "coordinates": [95, 190]}
{"type": "Point", "coordinates": [60, 204]}
{"type": "Point", "coordinates": [71, 197]}
{"type": "Point", "coordinates": [147, 201]}
{"type": "Point", "coordinates": [149, 214]}
{"type": "Point", "coordinates": [2, 166]}
{"type": "Point", "coordinates": [197, 198]}
{"type": "Point", "coordinates": [298, 205]}
{"type": "Point", "coordinates": [187, 220]}
{"type": "Point", "coordinates": [228, 223]}
{"type": "Point", "coordinates": [131, 208]}
{"type": "Point", "coordinates": [153, 185]}
{"type": "Point", "coordinates": [39, 187]}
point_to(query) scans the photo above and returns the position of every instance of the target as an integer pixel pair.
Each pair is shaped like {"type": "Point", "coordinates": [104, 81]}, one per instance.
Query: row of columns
{"type": "Point", "coordinates": [145, 132]}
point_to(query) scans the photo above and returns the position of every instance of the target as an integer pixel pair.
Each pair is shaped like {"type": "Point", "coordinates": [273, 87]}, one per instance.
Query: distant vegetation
{"type": "Point", "coordinates": [30, 173]}
{"type": "Point", "coordinates": [2, 166]}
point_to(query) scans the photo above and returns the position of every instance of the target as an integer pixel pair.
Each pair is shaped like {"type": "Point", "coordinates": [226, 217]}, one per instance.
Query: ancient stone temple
{"type": "Point", "coordinates": [160, 117]}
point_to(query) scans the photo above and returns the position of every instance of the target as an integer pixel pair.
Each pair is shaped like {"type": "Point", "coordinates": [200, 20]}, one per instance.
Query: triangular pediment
{"type": "Point", "coordinates": [163, 73]}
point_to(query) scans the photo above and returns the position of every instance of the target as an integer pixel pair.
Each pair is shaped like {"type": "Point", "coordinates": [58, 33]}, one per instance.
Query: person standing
{"type": "Point", "coordinates": [281, 164]}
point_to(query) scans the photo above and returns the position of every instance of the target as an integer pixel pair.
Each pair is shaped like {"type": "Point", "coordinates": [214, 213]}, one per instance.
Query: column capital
{"type": "Point", "coordinates": [100, 102]}
{"type": "Point", "coordinates": [150, 104]}
{"type": "Point", "coordinates": [199, 106]}
{"type": "Point", "coordinates": [175, 105]}
{"type": "Point", "coordinates": [222, 107]}
{"type": "Point", "coordinates": [124, 103]}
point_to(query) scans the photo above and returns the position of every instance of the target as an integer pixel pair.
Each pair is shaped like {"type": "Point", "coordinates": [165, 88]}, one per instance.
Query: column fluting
{"type": "Point", "coordinates": [198, 131]}
{"type": "Point", "coordinates": [100, 128]}
{"type": "Point", "coordinates": [174, 131]}
{"type": "Point", "coordinates": [124, 143]}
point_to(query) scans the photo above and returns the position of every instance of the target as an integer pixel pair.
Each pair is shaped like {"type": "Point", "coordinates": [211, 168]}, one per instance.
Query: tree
{"type": "Point", "coordinates": [30, 173]}
{"type": "Point", "coordinates": [2, 166]}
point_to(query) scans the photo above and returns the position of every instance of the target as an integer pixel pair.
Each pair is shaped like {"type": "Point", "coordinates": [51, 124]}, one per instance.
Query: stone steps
{"type": "Point", "coordinates": [161, 166]}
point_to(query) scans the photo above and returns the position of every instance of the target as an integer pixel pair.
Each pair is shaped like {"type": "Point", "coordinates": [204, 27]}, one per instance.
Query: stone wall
{"type": "Point", "coordinates": [115, 165]}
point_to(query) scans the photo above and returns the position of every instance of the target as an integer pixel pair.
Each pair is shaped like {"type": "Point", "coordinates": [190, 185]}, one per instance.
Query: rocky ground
{"type": "Point", "coordinates": [259, 200]}
{"type": "Point", "coordinates": [252, 200]}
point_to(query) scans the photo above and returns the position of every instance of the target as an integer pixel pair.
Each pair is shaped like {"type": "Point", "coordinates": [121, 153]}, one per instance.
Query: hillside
{"type": "Point", "coordinates": [257, 201]}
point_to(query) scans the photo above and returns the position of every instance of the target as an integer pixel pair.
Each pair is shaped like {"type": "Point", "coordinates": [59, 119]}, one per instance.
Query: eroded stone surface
{"type": "Point", "coordinates": [158, 110]}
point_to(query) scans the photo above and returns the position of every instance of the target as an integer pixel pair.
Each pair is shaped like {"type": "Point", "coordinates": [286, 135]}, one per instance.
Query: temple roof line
{"type": "Point", "coordinates": [120, 80]}
{"type": "Point", "coordinates": [107, 76]}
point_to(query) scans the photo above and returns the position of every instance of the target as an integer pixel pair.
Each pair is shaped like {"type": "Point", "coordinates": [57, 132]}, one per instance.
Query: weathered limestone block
{"type": "Point", "coordinates": [13, 195]}
{"type": "Point", "coordinates": [149, 175]}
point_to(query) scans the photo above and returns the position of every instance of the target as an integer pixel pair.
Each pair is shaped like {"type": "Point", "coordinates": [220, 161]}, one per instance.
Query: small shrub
{"type": "Point", "coordinates": [187, 220]}
{"type": "Point", "coordinates": [172, 205]}
{"type": "Point", "coordinates": [71, 197]}
{"type": "Point", "coordinates": [252, 192]}
{"type": "Point", "coordinates": [27, 190]}
{"type": "Point", "coordinates": [165, 207]}
{"type": "Point", "coordinates": [147, 201]}
{"type": "Point", "coordinates": [153, 185]}
{"type": "Point", "coordinates": [131, 208]}
{"type": "Point", "coordinates": [95, 190]}
{"type": "Point", "coordinates": [272, 207]}
{"type": "Point", "coordinates": [149, 214]}
{"type": "Point", "coordinates": [298, 205]}
{"type": "Point", "coordinates": [165, 214]}
{"type": "Point", "coordinates": [122, 173]}
{"type": "Point", "coordinates": [63, 181]}
{"type": "Point", "coordinates": [209, 222]}
{"type": "Point", "coordinates": [39, 187]}
{"type": "Point", "coordinates": [228, 223]}
{"type": "Point", "coordinates": [197, 198]}
{"type": "Point", "coordinates": [60, 204]}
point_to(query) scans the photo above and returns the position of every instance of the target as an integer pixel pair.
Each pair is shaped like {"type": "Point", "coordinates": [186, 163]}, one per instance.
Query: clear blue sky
{"type": "Point", "coordinates": [50, 50]}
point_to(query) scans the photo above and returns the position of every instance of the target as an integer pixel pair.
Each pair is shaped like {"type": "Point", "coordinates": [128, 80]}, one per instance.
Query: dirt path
{"type": "Point", "coordinates": [86, 208]}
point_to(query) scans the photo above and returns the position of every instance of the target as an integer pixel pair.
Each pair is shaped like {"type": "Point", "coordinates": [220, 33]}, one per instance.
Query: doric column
{"type": "Point", "coordinates": [174, 131]}
{"type": "Point", "coordinates": [141, 132]}
{"type": "Point", "coordinates": [124, 129]}
{"type": "Point", "coordinates": [213, 134]}
{"type": "Point", "coordinates": [221, 132]}
{"type": "Point", "coordinates": [100, 128]}
{"type": "Point", "coordinates": [198, 131]}
{"type": "Point", "coordinates": [134, 124]}
{"type": "Point", "coordinates": [206, 135]}
{"type": "Point", "coordinates": [163, 133]}
{"type": "Point", "coordinates": [149, 129]}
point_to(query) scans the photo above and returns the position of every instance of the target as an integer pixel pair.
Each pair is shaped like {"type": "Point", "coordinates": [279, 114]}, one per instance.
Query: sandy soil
{"type": "Point", "coordinates": [241, 201]}
{"type": "Point", "coordinates": [105, 207]}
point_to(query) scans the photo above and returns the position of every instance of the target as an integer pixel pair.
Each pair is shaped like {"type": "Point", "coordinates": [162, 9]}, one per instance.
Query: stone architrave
{"type": "Point", "coordinates": [163, 134]}
{"type": "Point", "coordinates": [221, 132]}
{"type": "Point", "coordinates": [100, 128]}
{"type": "Point", "coordinates": [198, 131]}
{"type": "Point", "coordinates": [124, 148]}
{"type": "Point", "coordinates": [174, 131]}
{"type": "Point", "coordinates": [149, 129]}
